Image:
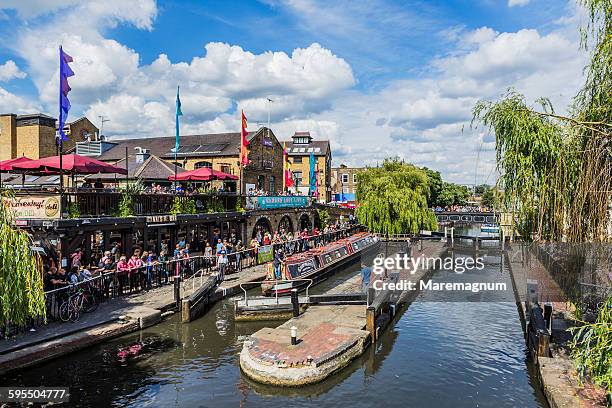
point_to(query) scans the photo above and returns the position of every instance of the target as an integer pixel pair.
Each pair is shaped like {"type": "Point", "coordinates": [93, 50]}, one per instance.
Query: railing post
{"type": "Point", "coordinates": [177, 291]}
{"type": "Point", "coordinates": [295, 302]}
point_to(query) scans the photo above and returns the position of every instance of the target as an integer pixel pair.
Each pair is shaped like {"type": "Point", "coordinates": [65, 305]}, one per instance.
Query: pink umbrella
{"type": "Point", "coordinates": [7, 165]}
{"type": "Point", "coordinates": [203, 174]}
{"type": "Point", "coordinates": [71, 164]}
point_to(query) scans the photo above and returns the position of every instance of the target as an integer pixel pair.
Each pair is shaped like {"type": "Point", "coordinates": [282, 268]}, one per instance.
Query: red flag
{"type": "Point", "coordinates": [244, 153]}
{"type": "Point", "coordinates": [287, 167]}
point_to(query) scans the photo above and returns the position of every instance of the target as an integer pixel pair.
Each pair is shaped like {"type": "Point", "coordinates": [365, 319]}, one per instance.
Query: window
{"type": "Point", "coordinates": [354, 178]}
{"type": "Point", "coordinates": [297, 159]}
{"type": "Point", "coordinates": [345, 178]}
{"type": "Point", "coordinates": [201, 164]}
{"type": "Point", "coordinates": [261, 181]}
{"type": "Point", "coordinates": [226, 168]}
{"type": "Point", "coordinates": [297, 175]}
{"type": "Point", "coordinates": [272, 184]}
{"type": "Point", "coordinates": [178, 164]}
{"type": "Point", "coordinates": [345, 190]}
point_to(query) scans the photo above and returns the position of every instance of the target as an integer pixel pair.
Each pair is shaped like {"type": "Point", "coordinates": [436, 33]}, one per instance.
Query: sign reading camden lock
{"type": "Point", "coordinates": [267, 203]}
{"type": "Point", "coordinates": [34, 206]}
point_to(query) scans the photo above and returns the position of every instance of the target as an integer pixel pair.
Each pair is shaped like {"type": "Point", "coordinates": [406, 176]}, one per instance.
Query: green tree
{"type": "Point", "coordinates": [21, 276]}
{"type": "Point", "coordinates": [435, 186]}
{"type": "Point", "coordinates": [556, 171]}
{"type": "Point", "coordinates": [393, 198]}
{"type": "Point", "coordinates": [490, 198]}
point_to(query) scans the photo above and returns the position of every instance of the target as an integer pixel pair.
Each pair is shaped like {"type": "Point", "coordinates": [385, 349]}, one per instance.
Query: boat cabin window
{"type": "Point", "coordinates": [355, 246]}
{"type": "Point", "coordinates": [343, 251]}
{"type": "Point", "coordinates": [299, 269]}
{"type": "Point", "coordinates": [328, 258]}
{"type": "Point", "coordinates": [337, 254]}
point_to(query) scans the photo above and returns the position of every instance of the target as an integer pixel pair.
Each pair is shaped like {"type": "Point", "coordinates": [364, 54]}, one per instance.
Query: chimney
{"type": "Point", "coordinates": [141, 154]}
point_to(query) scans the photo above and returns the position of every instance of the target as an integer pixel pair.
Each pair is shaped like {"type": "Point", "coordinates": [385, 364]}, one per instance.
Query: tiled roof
{"type": "Point", "coordinates": [317, 147]}
{"type": "Point", "coordinates": [209, 145]}
{"type": "Point", "coordinates": [153, 168]}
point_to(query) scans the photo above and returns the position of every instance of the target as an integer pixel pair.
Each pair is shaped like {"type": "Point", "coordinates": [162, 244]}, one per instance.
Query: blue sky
{"type": "Point", "coordinates": [377, 78]}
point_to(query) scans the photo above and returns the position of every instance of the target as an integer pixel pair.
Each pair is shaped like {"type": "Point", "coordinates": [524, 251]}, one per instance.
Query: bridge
{"type": "Point", "coordinates": [467, 217]}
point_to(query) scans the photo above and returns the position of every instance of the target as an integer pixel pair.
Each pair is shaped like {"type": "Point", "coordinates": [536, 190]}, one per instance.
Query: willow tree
{"type": "Point", "coordinates": [21, 275]}
{"type": "Point", "coordinates": [556, 170]}
{"type": "Point", "coordinates": [393, 198]}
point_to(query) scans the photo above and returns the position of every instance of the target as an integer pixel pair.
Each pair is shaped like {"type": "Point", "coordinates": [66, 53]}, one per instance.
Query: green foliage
{"type": "Point", "coordinates": [74, 210]}
{"type": "Point", "coordinates": [556, 170]}
{"type": "Point", "coordinates": [322, 218]}
{"type": "Point", "coordinates": [130, 191]}
{"type": "Point", "coordinates": [435, 186]}
{"type": "Point", "coordinates": [21, 274]}
{"type": "Point", "coordinates": [393, 198]}
{"type": "Point", "coordinates": [215, 205]}
{"type": "Point", "coordinates": [491, 198]}
{"type": "Point", "coordinates": [592, 348]}
{"type": "Point", "coordinates": [183, 205]}
{"type": "Point", "coordinates": [126, 205]}
{"type": "Point", "coordinates": [239, 207]}
{"type": "Point", "coordinates": [452, 194]}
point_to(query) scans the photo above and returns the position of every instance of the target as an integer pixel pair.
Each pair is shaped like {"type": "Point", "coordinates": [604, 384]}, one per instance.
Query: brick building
{"type": "Point", "coordinates": [344, 182]}
{"type": "Point", "coordinates": [220, 151]}
{"type": "Point", "coordinates": [33, 135]}
{"type": "Point", "coordinates": [298, 153]}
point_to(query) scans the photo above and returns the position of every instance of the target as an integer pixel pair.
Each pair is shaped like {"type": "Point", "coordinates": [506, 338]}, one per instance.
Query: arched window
{"type": "Point", "coordinates": [201, 164]}
{"type": "Point", "coordinates": [179, 164]}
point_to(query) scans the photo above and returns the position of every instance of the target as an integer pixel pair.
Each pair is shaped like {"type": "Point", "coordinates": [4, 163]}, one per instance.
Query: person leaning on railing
{"type": "Point", "coordinates": [122, 272]}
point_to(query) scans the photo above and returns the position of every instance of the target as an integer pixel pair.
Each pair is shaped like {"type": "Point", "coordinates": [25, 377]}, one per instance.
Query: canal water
{"type": "Point", "coordinates": [452, 354]}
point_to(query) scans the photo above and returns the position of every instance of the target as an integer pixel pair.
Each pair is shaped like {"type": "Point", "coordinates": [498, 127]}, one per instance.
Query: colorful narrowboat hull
{"type": "Point", "coordinates": [304, 269]}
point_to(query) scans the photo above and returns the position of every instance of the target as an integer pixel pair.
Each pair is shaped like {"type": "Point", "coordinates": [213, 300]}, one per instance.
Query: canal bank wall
{"type": "Point", "coordinates": [556, 371]}
{"type": "Point", "coordinates": [328, 337]}
{"type": "Point", "coordinates": [115, 318]}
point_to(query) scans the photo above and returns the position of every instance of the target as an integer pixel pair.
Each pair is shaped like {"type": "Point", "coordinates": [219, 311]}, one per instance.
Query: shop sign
{"type": "Point", "coordinates": [34, 206]}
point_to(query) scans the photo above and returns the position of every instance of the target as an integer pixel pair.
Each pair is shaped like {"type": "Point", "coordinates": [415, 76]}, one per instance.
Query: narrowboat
{"type": "Point", "coordinates": [300, 270]}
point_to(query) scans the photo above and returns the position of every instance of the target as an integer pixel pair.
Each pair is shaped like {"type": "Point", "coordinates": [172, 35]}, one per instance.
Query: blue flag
{"type": "Point", "coordinates": [312, 176]}
{"type": "Point", "coordinates": [178, 113]}
{"type": "Point", "coordinates": [64, 88]}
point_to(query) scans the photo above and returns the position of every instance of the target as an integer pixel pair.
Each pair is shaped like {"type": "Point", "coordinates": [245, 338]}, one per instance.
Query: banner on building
{"type": "Point", "coordinates": [34, 207]}
{"type": "Point", "coordinates": [271, 202]}
{"type": "Point", "coordinates": [265, 254]}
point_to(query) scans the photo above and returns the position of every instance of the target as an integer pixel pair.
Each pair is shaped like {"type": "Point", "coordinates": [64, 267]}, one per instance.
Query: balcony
{"type": "Point", "coordinates": [96, 203]}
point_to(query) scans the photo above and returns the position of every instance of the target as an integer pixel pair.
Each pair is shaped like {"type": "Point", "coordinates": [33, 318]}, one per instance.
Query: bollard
{"type": "Point", "coordinates": [452, 237]}
{"type": "Point", "coordinates": [371, 322]}
{"type": "Point", "coordinates": [295, 302]}
{"type": "Point", "coordinates": [293, 335]}
{"type": "Point", "coordinates": [177, 291]}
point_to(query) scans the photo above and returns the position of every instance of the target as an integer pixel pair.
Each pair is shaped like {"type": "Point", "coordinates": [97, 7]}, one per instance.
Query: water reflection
{"type": "Point", "coordinates": [438, 354]}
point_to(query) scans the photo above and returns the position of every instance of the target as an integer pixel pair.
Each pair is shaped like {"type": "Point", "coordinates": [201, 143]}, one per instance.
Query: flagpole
{"type": "Point", "coordinates": [176, 143]}
{"type": "Point", "coordinates": [59, 139]}
{"type": "Point", "coordinates": [284, 166]}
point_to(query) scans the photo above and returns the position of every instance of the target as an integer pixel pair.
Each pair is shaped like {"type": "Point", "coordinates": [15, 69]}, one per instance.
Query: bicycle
{"type": "Point", "coordinates": [85, 300]}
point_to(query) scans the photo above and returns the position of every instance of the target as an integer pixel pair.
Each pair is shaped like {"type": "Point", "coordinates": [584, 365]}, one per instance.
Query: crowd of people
{"type": "Point", "coordinates": [145, 268]}
{"type": "Point", "coordinates": [463, 208]}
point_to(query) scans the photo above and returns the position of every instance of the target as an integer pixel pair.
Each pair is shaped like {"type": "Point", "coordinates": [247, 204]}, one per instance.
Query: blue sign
{"type": "Point", "coordinates": [267, 203]}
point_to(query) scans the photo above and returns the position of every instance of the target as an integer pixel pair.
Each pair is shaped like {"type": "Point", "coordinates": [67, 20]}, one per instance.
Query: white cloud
{"type": "Point", "coordinates": [513, 3]}
{"type": "Point", "coordinates": [12, 103]}
{"type": "Point", "coordinates": [423, 119]}
{"type": "Point", "coordinates": [9, 70]}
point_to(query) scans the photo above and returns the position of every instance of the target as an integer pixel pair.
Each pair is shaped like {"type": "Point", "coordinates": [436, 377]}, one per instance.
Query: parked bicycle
{"type": "Point", "coordinates": [84, 299]}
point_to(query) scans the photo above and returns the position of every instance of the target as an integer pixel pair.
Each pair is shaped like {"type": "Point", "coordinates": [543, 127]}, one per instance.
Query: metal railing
{"type": "Point", "coordinates": [110, 284]}
{"type": "Point", "coordinates": [276, 282]}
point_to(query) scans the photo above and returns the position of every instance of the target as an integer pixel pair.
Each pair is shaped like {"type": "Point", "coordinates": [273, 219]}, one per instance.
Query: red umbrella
{"type": "Point", "coordinates": [71, 164]}
{"type": "Point", "coordinates": [7, 165]}
{"type": "Point", "coordinates": [203, 174]}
